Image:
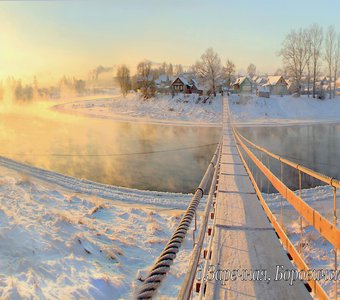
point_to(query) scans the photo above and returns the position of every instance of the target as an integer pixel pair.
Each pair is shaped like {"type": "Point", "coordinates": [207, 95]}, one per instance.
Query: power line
{"type": "Point", "coordinates": [112, 154]}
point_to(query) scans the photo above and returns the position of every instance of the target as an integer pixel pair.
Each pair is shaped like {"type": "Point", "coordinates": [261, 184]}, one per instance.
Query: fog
{"type": "Point", "coordinates": [314, 146]}
{"type": "Point", "coordinates": [118, 153]}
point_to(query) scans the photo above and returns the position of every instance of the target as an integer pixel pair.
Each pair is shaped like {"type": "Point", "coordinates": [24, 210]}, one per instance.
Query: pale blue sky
{"type": "Point", "coordinates": [74, 36]}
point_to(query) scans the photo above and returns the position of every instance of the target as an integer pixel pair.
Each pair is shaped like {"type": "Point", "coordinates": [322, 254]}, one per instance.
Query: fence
{"type": "Point", "coordinates": [326, 229]}
{"type": "Point", "coordinates": [162, 264]}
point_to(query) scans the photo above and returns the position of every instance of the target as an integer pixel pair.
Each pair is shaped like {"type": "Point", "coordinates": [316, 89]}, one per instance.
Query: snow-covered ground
{"type": "Point", "coordinates": [184, 110]}
{"type": "Point", "coordinates": [317, 251]}
{"type": "Point", "coordinates": [64, 237]}
{"type": "Point", "coordinates": [163, 109]}
{"type": "Point", "coordinates": [287, 110]}
{"type": "Point", "coordinates": [59, 241]}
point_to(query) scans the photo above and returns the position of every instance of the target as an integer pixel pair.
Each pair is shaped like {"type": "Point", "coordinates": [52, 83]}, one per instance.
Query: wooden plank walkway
{"type": "Point", "coordinates": [243, 237]}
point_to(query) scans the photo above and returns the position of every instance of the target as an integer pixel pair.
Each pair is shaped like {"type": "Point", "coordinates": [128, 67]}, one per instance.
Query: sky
{"type": "Point", "coordinates": [52, 38]}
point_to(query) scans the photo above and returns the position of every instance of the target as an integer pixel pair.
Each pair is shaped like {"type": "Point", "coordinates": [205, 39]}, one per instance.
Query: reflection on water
{"type": "Point", "coordinates": [96, 149]}
{"type": "Point", "coordinates": [314, 146]}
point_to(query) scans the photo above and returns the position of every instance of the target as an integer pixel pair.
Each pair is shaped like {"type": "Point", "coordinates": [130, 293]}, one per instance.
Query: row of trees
{"type": "Point", "coordinates": [303, 52]}
{"type": "Point", "coordinates": [208, 69]}
{"type": "Point", "coordinates": [144, 78]}
{"type": "Point", "coordinates": [16, 91]}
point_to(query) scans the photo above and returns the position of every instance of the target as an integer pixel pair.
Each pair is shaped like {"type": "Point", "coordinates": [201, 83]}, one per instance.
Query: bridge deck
{"type": "Point", "coordinates": [243, 236]}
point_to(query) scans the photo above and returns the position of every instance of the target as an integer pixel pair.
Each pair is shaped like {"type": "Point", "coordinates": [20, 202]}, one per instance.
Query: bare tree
{"type": "Point", "coordinates": [329, 55]}
{"type": "Point", "coordinates": [295, 55]}
{"type": "Point", "coordinates": [251, 70]}
{"type": "Point", "coordinates": [279, 72]}
{"type": "Point", "coordinates": [178, 69]}
{"type": "Point", "coordinates": [336, 64]}
{"type": "Point", "coordinates": [123, 79]}
{"type": "Point", "coordinates": [229, 71]}
{"type": "Point", "coordinates": [144, 79]}
{"type": "Point", "coordinates": [170, 70]}
{"type": "Point", "coordinates": [308, 46]}
{"type": "Point", "coordinates": [316, 38]}
{"type": "Point", "coordinates": [209, 68]}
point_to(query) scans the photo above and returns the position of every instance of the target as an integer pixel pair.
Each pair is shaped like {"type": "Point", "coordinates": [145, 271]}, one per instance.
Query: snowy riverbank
{"type": "Point", "coordinates": [187, 110]}
{"type": "Point", "coordinates": [287, 110]}
{"type": "Point", "coordinates": [163, 109]}
{"type": "Point", "coordinates": [60, 243]}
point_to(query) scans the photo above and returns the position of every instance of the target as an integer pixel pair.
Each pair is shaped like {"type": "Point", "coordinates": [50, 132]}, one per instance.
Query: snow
{"type": "Point", "coordinates": [163, 109]}
{"type": "Point", "coordinates": [58, 242]}
{"type": "Point", "coordinates": [250, 110]}
{"type": "Point", "coordinates": [272, 80]}
{"type": "Point", "coordinates": [182, 110]}
{"type": "Point", "coordinates": [64, 237]}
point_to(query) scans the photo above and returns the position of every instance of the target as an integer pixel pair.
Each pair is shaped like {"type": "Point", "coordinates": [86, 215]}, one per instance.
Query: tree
{"type": "Point", "coordinates": [229, 71]}
{"type": "Point", "coordinates": [123, 79]}
{"type": "Point", "coordinates": [251, 70]}
{"type": "Point", "coordinates": [330, 55]}
{"type": "Point", "coordinates": [316, 38]}
{"type": "Point", "coordinates": [295, 55]}
{"type": "Point", "coordinates": [79, 85]}
{"type": "Point", "coordinates": [178, 69]}
{"type": "Point", "coordinates": [336, 64]}
{"type": "Point", "coordinates": [308, 46]}
{"type": "Point", "coordinates": [209, 68]}
{"type": "Point", "coordinates": [170, 71]}
{"type": "Point", "coordinates": [144, 79]}
{"type": "Point", "coordinates": [279, 72]}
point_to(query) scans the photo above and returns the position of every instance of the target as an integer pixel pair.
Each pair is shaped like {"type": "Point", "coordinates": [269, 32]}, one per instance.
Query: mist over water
{"type": "Point", "coordinates": [314, 146]}
{"type": "Point", "coordinates": [107, 151]}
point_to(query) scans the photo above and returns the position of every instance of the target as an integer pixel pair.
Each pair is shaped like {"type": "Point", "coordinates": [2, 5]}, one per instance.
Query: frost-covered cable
{"type": "Point", "coordinates": [162, 265]}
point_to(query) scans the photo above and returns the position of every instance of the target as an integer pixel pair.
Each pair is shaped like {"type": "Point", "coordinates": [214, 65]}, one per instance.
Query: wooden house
{"type": "Point", "coordinates": [277, 85]}
{"type": "Point", "coordinates": [262, 92]}
{"type": "Point", "coordinates": [243, 85]}
{"type": "Point", "coordinates": [183, 85]}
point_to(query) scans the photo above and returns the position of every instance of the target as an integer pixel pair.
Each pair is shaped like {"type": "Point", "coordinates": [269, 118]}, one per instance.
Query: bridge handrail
{"type": "Point", "coordinates": [188, 281]}
{"type": "Point", "coordinates": [324, 178]}
{"type": "Point", "coordinates": [162, 264]}
{"type": "Point", "coordinates": [314, 218]}
{"type": "Point", "coordinates": [314, 284]}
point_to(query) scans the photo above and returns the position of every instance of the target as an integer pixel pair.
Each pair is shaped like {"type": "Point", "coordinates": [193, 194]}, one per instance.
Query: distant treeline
{"type": "Point", "coordinates": [14, 90]}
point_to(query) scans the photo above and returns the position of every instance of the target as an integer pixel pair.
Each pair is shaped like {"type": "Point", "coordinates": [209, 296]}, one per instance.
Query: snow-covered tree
{"type": "Point", "coordinates": [229, 71]}
{"type": "Point", "coordinates": [316, 38]}
{"type": "Point", "coordinates": [145, 80]}
{"type": "Point", "coordinates": [336, 62]}
{"type": "Point", "coordinates": [123, 79]}
{"type": "Point", "coordinates": [330, 45]}
{"type": "Point", "coordinates": [178, 69]}
{"type": "Point", "coordinates": [251, 70]}
{"type": "Point", "coordinates": [209, 69]}
{"type": "Point", "coordinates": [295, 55]}
{"type": "Point", "coordinates": [170, 70]}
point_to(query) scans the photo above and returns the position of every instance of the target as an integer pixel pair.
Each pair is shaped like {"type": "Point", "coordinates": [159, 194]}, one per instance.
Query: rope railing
{"type": "Point", "coordinates": [162, 264]}
{"type": "Point", "coordinates": [326, 229]}
{"type": "Point", "coordinates": [186, 288]}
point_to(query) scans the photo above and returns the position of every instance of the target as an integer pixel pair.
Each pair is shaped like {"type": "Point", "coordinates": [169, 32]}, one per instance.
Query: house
{"type": "Point", "coordinates": [261, 80]}
{"type": "Point", "coordinates": [187, 86]}
{"type": "Point", "coordinates": [262, 92]}
{"type": "Point", "coordinates": [163, 83]}
{"type": "Point", "coordinates": [277, 85]}
{"type": "Point", "coordinates": [243, 85]}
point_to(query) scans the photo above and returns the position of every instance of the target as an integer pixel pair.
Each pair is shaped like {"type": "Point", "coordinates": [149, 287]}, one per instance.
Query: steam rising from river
{"type": "Point", "coordinates": [98, 149]}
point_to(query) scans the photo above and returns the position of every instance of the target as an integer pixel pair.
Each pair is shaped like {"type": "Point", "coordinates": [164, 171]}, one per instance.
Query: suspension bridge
{"type": "Point", "coordinates": [242, 250]}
